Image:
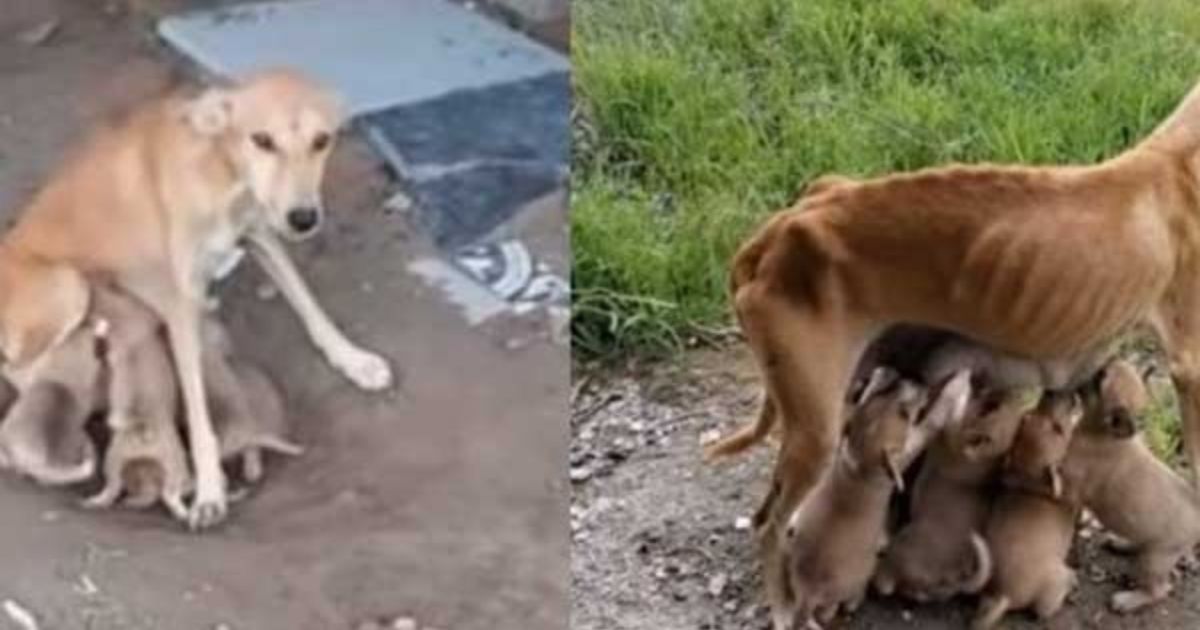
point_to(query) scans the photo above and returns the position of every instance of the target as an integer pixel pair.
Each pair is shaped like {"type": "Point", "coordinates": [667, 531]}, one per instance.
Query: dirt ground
{"type": "Point", "coordinates": [660, 540]}
{"type": "Point", "coordinates": [443, 502]}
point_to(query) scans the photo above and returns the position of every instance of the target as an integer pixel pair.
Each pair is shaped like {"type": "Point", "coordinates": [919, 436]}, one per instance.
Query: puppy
{"type": "Point", "coordinates": [834, 535]}
{"type": "Point", "coordinates": [941, 551]}
{"type": "Point", "coordinates": [248, 413]}
{"type": "Point", "coordinates": [1031, 525]}
{"type": "Point", "coordinates": [42, 435]}
{"type": "Point", "coordinates": [143, 396]}
{"type": "Point", "coordinates": [1110, 469]}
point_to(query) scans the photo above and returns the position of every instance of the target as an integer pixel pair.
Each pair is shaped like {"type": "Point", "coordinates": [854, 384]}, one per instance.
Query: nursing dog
{"type": "Point", "coordinates": [161, 202]}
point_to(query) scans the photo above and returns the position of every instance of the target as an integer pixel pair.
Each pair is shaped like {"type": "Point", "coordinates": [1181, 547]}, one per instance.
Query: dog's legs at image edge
{"type": "Point", "coordinates": [209, 505]}
{"type": "Point", "coordinates": [367, 370]}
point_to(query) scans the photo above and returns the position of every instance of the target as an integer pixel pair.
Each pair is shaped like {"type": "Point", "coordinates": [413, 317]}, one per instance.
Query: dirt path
{"type": "Point", "coordinates": [657, 542]}
{"type": "Point", "coordinates": [444, 503]}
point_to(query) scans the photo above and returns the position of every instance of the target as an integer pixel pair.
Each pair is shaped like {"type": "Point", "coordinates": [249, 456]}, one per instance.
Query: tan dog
{"type": "Point", "coordinates": [143, 397]}
{"type": "Point", "coordinates": [161, 202]}
{"type": "Point", "coordinates": [1031, 526]}
{"type": "Point", "coordinates": [42, 435]}
{"type": "Point", "coordinates": [834, 535]}
{"type": "Point", "coordinates": [941, 552]}
{"type": "Point", "coordinates": [1110, 469]}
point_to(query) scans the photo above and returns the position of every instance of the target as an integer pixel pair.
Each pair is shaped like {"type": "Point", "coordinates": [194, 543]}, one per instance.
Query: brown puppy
{"type": "Point", "coordinates": [42, 434]}
{"type": "Point", "coordinates": [941, 552]}
{"type": "Point", "coordinates": [143, 395]}
{"type": "Point", "coordinates": [1036, 262]}
{"type": "Point", "coordinates": [833, 536]}
{"type": "Point", "coordinates": [1031, 525]}
{"type": "Point", "coordinates": [248, 412]}
{"type": "Point", "coordinates": [1110, 469]}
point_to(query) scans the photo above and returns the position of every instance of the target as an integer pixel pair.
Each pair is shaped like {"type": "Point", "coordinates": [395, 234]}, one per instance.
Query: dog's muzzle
{"type": "Point", "coordinates": [304, 221]}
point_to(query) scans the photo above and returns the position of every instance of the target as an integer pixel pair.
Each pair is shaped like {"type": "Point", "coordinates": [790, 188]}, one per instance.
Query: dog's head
{"type": "Point", "coordinates": [1041, 443]}
{"type": "Point", "coordinates": [277, 128]}
{"type": "Point", "coordinates": [1114, 400]}
{"type": "Point", "coordinates": [991, 422]}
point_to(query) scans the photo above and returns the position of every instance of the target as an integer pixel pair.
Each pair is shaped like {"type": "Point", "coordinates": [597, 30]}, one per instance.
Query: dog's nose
{"type": "Point", "coordinates": [303, 220]}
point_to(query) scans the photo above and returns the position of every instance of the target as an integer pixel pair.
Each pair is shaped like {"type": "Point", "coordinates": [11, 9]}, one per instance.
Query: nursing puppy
{"type": "Point", "coordinates": [1136, 496]}
{"type": "Point", "coordinates": [834, 536]}
{"type": "Point", "coordinates": [42, 435]}
{"type": "Point", "coordinates": [143, 397]}
{"type": "Point", "coordinates": [941, 551]}
{"type": "Point", "coordinates": [248, 411]}
{"type": "Point", "coordinates": [1031, 525]}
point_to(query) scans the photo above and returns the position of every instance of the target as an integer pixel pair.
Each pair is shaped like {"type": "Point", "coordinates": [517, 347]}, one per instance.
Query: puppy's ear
{"type": "Point", "coordinates": [211, 113]}
{"type": "Point", "coordinates": [1054, 481]}
{"type": "Point", "coordinates": [950, 405]}
{"type": "Point", "coordinates": [893, 471]}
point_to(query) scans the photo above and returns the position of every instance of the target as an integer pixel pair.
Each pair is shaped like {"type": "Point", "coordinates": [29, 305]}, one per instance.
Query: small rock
{"type": "Point", "coordinates": [368, 287]}
{"type": "Point", "coordinates": [266, 291]}
{"type": "Point", "coordinates": [580, 474]}
{"type": "Point", "coordinates": [221, 626]}
{"type": "Point", "coordinates": [39, 34]}
{"type": "Point", "coordinates": [716, 584]}
{"type": "Point", "coordinates": [906, 615]}
{"type": "Point", "coordinates": [404, 623]}
{"type": "Point", "coordinates": [742, 523]}
{"type": "Point", "coordinates": [51, 516]}
{"type": "Point", "coordinates": [710, 436]}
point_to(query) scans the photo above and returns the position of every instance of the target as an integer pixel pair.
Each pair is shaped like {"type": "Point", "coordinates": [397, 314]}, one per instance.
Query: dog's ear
{"type": "Point", "coordinates": [211, 113]}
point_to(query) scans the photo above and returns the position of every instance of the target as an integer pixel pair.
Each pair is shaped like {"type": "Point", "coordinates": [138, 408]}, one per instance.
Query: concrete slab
{"type": "Point", "coordinates": [378, 53]}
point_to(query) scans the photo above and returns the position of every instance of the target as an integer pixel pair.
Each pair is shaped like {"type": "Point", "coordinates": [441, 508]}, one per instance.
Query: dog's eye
{"type": "Point", "coordinates": [320, 143]}
{"type": "Point", "coordinates": [263, 141]}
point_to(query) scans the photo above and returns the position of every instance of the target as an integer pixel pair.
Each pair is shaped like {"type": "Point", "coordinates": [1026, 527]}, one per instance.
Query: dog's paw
{"type": "Point", "coordinates": [366, 370]}
{"type": "Point", "coordinates": [208, 508]}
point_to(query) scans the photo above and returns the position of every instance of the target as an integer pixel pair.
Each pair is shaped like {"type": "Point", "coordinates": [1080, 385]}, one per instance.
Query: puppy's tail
{"type": "Point", "coordinates": [745, 437]}
{"type": "Point", "coordinates": [991, 610]}
{"type": "Point", "coordinates": [280, 445]}
{"type": "Point", "coordinates": [983, 565]}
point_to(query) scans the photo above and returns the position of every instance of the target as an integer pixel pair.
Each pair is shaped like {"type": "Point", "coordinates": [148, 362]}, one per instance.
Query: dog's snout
{"type": "Point", "coordinates": [303, 220]}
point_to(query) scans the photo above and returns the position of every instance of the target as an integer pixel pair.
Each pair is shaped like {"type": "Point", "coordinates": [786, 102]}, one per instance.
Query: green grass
{"type": "Point", "coordinates": [696, 118]}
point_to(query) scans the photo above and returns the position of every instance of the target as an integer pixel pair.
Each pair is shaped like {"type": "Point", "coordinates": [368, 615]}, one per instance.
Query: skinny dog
{"type": "Point", "coordinates": [1037, 262]}
{"type": "Point", "coordinates": [834, 535]}
{"type": "Point", "coordinates": [1032, 524]}
{"type": "Point", "coordinates": [1132, 493]}
{"type": "Point", "coordinates": [161, 202]}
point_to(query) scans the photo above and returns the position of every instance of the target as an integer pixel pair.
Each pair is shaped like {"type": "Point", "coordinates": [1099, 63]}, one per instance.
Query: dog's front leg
{"type": "Point", "coordinates": [366, 369]}
{"type": "Point", "coordinates": [183, 327]}
{"type": "Point", "coordinates": [1176, 322]}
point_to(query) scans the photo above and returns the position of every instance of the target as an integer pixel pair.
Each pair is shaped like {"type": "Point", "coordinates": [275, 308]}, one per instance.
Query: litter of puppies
{"type": "Point", "coordinates": [118, 368]}
{"type": "Point", "coordinates": [1003, 469]}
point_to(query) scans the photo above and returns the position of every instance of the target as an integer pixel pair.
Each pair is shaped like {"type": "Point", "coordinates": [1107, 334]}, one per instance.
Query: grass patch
{"type": "Point", "coordinates": [696, 118]}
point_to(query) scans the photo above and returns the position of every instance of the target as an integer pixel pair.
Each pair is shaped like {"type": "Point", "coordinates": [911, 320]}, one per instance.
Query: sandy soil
{"type": "Point", "coordinates": [443, 501]}
{"type": "Point", "coordinates": [656, 538]}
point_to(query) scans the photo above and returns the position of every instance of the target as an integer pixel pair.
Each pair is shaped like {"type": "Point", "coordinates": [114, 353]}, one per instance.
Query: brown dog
{"type": "Point", "coordinates": [161, 202]}
{"type": "Point", "coordinates": [1109, 468]}
{"type": "Point", "coordinates": [1037, 262]}
{"type": "Point", "coordinates": [1031, 526]}
{"type": "Point", "coordinates": [834, 535]}
{"type": "Point", "coordinates": [941, 552]}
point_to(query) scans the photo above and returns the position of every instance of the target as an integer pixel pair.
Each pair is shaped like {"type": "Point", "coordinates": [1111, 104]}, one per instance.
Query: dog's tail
{"type": "Point", "coordinates": [983, 565]}
{"type": "Point", "coordinates": [748, 435]}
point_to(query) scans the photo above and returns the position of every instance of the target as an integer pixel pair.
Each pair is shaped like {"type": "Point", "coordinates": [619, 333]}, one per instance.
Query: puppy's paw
{"type": "Point", "coordinates": [366, 370]}
{"type": "Point", "coordinates": [1130, 601]}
